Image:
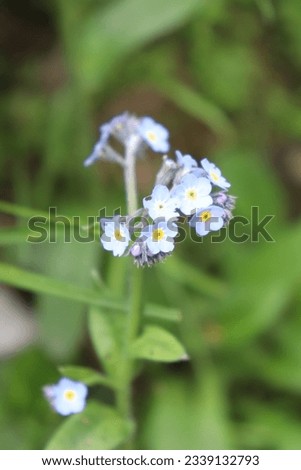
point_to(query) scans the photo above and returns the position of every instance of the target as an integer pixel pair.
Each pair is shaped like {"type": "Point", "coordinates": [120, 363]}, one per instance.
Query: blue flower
{"type": "Point", "coordinates": [160, 203]}
{"type": "Point", "coordinates": [66, 397]}
{"type": "Point", "coordinates": [160, 237]}
{"type": "Point", "coordinates": [215, 174]}
{"type": "Point", "coordinates": [120, 127]}
{"type": "Point", "coordinates": [154, 134]}
{"type": "Point", "coordinates": [193, 193]}
{"type": "Point", "coordinates": [105, 131]}
{"type": "Point", "coordinates": [185, 161]}
{"type": "Point", "coordinates": [116, 237]}
{"type": "Point", "coordinates": [207, 220]}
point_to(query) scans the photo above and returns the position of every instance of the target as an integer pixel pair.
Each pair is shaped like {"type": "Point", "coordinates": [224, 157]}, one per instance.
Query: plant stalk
{"type": "Point", "coordinates": [124, 395]}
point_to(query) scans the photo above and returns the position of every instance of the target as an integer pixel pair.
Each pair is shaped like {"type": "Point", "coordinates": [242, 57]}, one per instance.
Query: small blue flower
{"type": "Point", "coordinates": [215, 174]}
{"type": "Point", "coordinates": [160, 203]}
{"type": "Point", "coordinates": [207, 220]}
{"type": "Point", "coordinates": [154, 134]}
{"type": "Point", "coordinates": [185, 161]}
{"type": "Point", "coordinates": [105, 131]}
{"type": "Point", "coordinates": [116, 237]}
{"type": "Point", "coordinates": [193, 193]}
{"type": "Point", "coordinates": [119, 126]}
{"type": "Point", "coordinates": [160, 237]}
{"type": "Point", "coordinates": [66, 397]}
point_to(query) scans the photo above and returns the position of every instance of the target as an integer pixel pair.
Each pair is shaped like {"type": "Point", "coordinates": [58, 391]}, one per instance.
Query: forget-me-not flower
{"type": "Point", "coordinates": [193, 193]}
{"type": "Point", "coordinates": [185, 161]}
{"type": "Point", "coordinates": [120, 127]}
{"type": "Point", "coordinates": [116, 237]}
{"type": "Point", "coordinates": [105, 131]}
{"type": "Point", "coordinates": [67, 396]}
{"type": "Point", "coordinates": [207, 220]}
{"type": "Point", "coordinates": [154, 134]}
{"type": "Point", "coordinates": [214, 174]}
{"type": "Point", "coordinates": [161, 203]}
{"type": "Point", "coordinates": [183, 187]}
{"type": "Point", "coordinates": [159, 237]}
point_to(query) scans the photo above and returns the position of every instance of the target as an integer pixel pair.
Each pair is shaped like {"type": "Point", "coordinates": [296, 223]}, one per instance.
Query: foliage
{"type": "Point", "coordinates": [224, 76]}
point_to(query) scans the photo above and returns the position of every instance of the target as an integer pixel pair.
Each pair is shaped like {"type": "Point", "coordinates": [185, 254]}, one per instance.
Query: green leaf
{"type": "Point", "coordinates": [108, 35]}
{"type": "Point", "coordinates": [185, 415]}
{"type": "Point", "coordinates": [61, 335]}
{"type": "Point", "coordinates": [262, 287]}
{"type": "Point", "coordinates": [156, 344]}
{"type": "Point", "coordinates": [85, 375]}
{"type": "Point", "coordinates": [268, 425]}
{"type": "Point", "coordinates": [162, 312]}
{"type": "Point", "coordinates": [13, 236]}
{"type": "Point", "coordinates": [33, 282]}
{"type": "Point", "coordinates": [195, 104]}
{"type": "Point", "coordinates": [107, 333]}
{"type": "Point", "coordinates": [29, 213]}
{"type": "Point", "coordinates": [188, 275]}
{"type": "Point", "coordinates": [20, 211]}
{"type": "Point", "coordinates": [97, 427]}
{"type": "Point", "coordinates": [267, 9]}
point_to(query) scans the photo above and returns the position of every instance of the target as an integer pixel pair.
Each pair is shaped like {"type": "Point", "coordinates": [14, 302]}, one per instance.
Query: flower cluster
{"type": "Point", "coordinates": [185, 190]}
{"type": "Point", "coordinates": [128, 130]}
{"type": "Point", "coordinates": [66, 397]}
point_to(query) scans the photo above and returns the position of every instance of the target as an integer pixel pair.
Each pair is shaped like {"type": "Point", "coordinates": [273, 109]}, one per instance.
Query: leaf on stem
{"type": "Point", "coordinates": [157, 344]}
{"type": "Point", "coordinates": [97, 427]}
{"type": "Point", "coordinates": [107, 334]}
{"type": "Point", "coordinates": [85, 375]}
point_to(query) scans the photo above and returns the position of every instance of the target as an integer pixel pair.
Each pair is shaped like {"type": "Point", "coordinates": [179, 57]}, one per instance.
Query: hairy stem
{"type": "Point", "coordinates": [124, 395]}
{"type": "Point", "coordinates": [130, 179]}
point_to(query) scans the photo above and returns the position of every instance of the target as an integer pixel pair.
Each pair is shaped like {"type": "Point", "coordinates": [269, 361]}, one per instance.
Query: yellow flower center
{"type": "Point", "coordinates": [204, 216]}
{"type": "Point", "coordinates": [158, 234]}
{"type": "Point", "coordinates": [151, 136]}
{"type": "Point", "coordinates": [191, 194]}
{"type": "Point", "coordinates": [118, 235]}
{"type": "Point", "coordinates": [69, 395]}
{"type": "Point", "coordinates": [214, 176]}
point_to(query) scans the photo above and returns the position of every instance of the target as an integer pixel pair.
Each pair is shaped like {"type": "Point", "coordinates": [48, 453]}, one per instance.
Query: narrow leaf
{"type": "Point", "coordinates": [100, 47]}
{"type": "Point", "coordinates": [38, 283]}
{"type": "Point", "coordinates": [156, 344]}
{"type": "Point", "coordinates": [162, 312]}
{"type": "Point", "coordinates": [13, 235]}
{"type": "Point", "coordinates": [20, 211]}
{"type": "Point", "coordinates": [196, 105]}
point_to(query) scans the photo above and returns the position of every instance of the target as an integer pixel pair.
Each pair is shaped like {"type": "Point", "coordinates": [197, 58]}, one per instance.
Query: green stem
{"type": "Point", "coordinates": [135, 304]}
{"type": "Point", "coordinates": [130, 179]}
{"type": "Point", "coordinates": [124, 395]}
{"type": "Point", "coordinates": [124, 398]}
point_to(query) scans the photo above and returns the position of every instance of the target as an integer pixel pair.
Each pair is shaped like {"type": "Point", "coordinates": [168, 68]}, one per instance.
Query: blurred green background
{"type": "Point", "coordinates": [224, 77]}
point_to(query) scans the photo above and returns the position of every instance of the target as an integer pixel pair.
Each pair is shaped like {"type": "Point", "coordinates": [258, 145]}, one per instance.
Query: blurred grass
{"type": "Point", "coordinates": [224, 77]}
